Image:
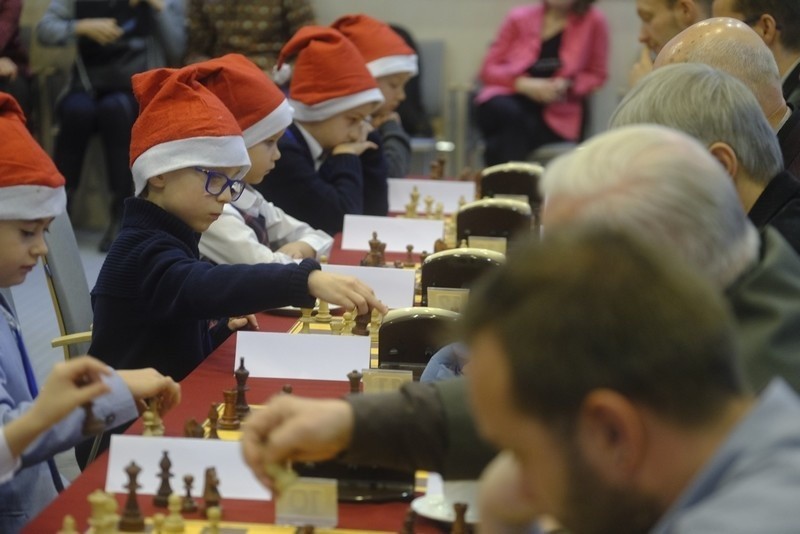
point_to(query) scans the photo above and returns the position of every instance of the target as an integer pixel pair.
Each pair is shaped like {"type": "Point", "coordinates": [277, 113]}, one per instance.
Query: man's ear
{"type": "Point", "coordinates": [157, 182]}
{"type": "Point", "coordinates": [611, 434]}
{"type": "Point", "coordinates": [767, 28]}
{"type": "Point", "coordinates": [726, 156]}
{"type": "Point", "coordinates": [688, 12]}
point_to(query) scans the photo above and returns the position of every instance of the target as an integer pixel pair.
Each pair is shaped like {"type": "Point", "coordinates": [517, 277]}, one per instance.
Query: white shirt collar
{"type": "Point", "coordinates": [313, 145]}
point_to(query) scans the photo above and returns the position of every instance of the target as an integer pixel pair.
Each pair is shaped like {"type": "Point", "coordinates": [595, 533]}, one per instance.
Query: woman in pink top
{"type": "Point", "coordinates": [546, 59]}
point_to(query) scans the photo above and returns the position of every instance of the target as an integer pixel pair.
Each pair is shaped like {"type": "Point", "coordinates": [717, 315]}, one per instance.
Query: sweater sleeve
{"type": "Point", "coordinates": [396, 145]}
{"type": "Point", "coordinates": [376, 172]}
{"type": "Point", "coordinates": [56, 28]}
{"type": "Point", "coordinates": [497, 67]}
{"type": "Point", "coordinates": [229, 240]}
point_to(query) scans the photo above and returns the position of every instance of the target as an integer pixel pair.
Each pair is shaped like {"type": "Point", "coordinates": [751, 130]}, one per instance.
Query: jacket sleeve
{"type": "Point", "coordinates": [114, 408]}
{"type": "Point", "coordinates": [596, 71]}
{"type": "Point", "coordinates": [8, 462]}
{"type": "Point", "coordinates": [170, 31]}
{"type": "Point", "coordinates": [229, 240]}
{"type": "Point", "coordinates": [57, 28]}
{"type": "Point", "coordinates": [10, 11]}
{"type": "Point", "coordinates": [421, 426]}
{"type": "Point", "coordinates": [498, 66]}
{"type": "Point", "coordinates": [376, 172]}
{"type": "Point", "coordinates": [396, 145]}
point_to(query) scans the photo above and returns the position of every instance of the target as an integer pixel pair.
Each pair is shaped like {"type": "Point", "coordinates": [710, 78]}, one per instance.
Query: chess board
{"type": "Point", "coordinates": [194, 526]}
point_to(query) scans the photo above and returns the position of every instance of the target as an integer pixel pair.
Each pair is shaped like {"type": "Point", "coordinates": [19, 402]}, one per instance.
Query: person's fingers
{"type": "Point", "coordinates": [85, 394]}
{"type": "Point", "coordinates": [360, 303]}
{"type": "Point", "coordinates": [252, 321]}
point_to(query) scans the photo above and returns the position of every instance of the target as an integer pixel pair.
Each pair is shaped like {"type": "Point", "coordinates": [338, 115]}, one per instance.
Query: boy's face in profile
{"type": "Point", "coordinates": [183, 194]}
{"type": "Point", "coordinates": [344, 127]}
{"type": "Point", "coordinates": [393, 88]}
{"type": "Point", "coordinates": [263, 156]}
{"type": "Point", "coordinates": [21, 246]}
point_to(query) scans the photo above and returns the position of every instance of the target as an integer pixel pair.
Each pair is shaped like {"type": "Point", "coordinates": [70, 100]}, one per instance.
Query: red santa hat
{"type": "Point", "coordinates": [181, 124]}
{"type": "Point", "coordinates": [329, 75]}
{"type": "Point", "coordinates": [383, 49]}
{"type": "Point", "coordinates": [254, 100]}
{"type": "Point", "coordinates": [30, 185]}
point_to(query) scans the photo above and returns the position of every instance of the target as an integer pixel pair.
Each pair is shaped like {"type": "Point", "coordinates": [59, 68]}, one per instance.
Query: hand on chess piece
{"type": "Point", "coordinates": [148, 383]}
{"type": "Point", "coordinates": [295, 428]}
{"type": "Point", "coordinates": [245, 322]}
{"type": "Point", "coordinates": [503, 503]}
{"type": "Point", "coordinates": [346, 291]}
{"type": "Point", "coordinates": [298, 250]}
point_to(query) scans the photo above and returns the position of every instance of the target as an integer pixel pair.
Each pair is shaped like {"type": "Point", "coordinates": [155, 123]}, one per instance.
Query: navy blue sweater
{"type": "Point", "coordinates": [345, 183]}
{"type": "Point", "coordinates": [154, 298]}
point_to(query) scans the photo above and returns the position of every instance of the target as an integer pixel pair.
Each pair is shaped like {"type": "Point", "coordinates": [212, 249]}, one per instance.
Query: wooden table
{"type": "Point", "coordinates": [203, 386]}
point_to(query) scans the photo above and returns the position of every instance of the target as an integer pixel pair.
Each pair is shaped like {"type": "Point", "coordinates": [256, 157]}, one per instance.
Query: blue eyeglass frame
{"type": "Point", "coordinates": [229, 183]}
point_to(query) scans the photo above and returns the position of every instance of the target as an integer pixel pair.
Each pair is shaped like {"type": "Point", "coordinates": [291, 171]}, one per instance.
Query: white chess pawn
{"type": "Point", "coordinates": [68, 525]}
{"type": "Point", "coordinates": [348, 324]}
{"type": "Point", "coordinates": [158, 523]}
{"type": "Point", "coordinates": [213, 514]}
{"type": "Point", "coordinates": [148, 420]}
{"type": "Point", "coordinates": [305, 318]}
{"type": "Point", "coordinates": [374, 325]}
{"type": "Point", "coordinates": [174, 521]}
{"type": "Point", "coordinates": [336, 328]}
{"type": "Point", "coordinates": [324, 312]}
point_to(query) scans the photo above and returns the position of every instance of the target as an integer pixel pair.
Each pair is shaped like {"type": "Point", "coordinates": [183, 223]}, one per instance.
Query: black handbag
{"type": "Point", "coordinates": [106, 68]}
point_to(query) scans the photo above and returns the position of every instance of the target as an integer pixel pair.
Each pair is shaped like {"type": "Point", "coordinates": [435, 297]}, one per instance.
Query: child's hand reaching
{"type": "Point", "coordinates": [247, 322]}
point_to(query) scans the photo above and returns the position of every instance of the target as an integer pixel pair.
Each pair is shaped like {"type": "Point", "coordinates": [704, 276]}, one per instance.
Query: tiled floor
{"type": "Point", "coordinates": [35, 311]}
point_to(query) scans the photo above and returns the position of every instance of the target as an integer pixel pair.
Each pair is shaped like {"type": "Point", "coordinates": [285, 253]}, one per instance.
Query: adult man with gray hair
{"type": "Point", "coordinates": [777, 22]}
{"type": "Point", "coordinates": [723, 114]}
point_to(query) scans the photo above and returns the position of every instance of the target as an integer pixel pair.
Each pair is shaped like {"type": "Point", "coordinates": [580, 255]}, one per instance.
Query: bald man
{"type": "Point", "coordinates": [732, 46]}
{"type": "Point", "coordinates": [777, 22]}
{"type": "Point", "coordinates": [661, 20]}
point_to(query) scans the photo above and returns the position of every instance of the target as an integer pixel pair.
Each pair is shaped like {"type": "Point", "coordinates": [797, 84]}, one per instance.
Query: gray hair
{"type": "Point", "coordinates": [660, 183]}
{"type": "Point", "coordinates": [709, 105]}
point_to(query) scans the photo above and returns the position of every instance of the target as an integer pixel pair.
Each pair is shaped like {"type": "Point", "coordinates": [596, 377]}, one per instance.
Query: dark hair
{"type": "Point", "coordinates": [596, 309]}
{"type": "Point", "coordinates": [785, 12]}
{"type": "Point", "coordinates": [581, 6]}
{"type": "Point", "coordinates": [705, 3]}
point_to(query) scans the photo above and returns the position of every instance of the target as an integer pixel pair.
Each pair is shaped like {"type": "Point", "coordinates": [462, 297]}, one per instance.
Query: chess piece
{"type": "Point", "coordinates": [132, 519]}
{"type": "Point", "coordinates": [287, 388]}
{"type": "Point", "coordinates": [360, 328]}
{"type": "Point", "coordinates": [211, 496]}
{"type": "Point", "coordinates": [174, 521]}
{"type": "Point", "coordinates": [148, 422]}
{"type": "Point", "coordinates": [463, 244]}
{"type": "Point", "coordinates": [411, 211]}
{"type": "Point", "coordinates": [305, 320]}
{"type": "Point", "coordinates": [192, 429]}
{"type": "Point", "coordinates": [415, 198]}
{"type": "Point", "coordinates": [374, 243]}
{"type": "Point", "coordinates": [154, 405]}
{"type": "Point", "coordinates": [440, 245]}
{"type": "Point", "coordinates": [97, 501]}
{"type": "Point", "coordinates": [461, 201]}
{"type": "Point", "coordinates": [408, 522]}
{"type": "Point", "coordinates": [164, 490]}
{"type": "Point", "coordinates": [68, 525]}
{"type": "Point", "coordinates": [354, 377]}
{"type": "Point", "coordinates": [374, 325]}
{"type": "Point", "coordinates": [347, 323]}
{"type": "Point", "coordinates": [214, 514]}
{"type": "Point", "coordinates": [305, 529]}
{"type": "Point", "coordinates": [438, 213]}
{"type": "Point", "coordinates": [242, 408]}
{"type": "Point", "coordinates": [336, 328]}
{"type": "Point", "coordinates": [409, 256]}
{"type": "Point", "coordinates": [323, 259]}
{"type": "Point", "coordinates": [213, 417]}
{"type": "Point", "coordinates": [436, 170]}
{"type": "Point", "coordinates": [324, 312]}
{"type": "Point", "coordinates": [381, 259]}
{"type": "Point", "coordinates": [428, 206]}
{"type": "Point", "coordinates": [109, 523]}
{"type": "Point", "coordinates": [460, 523]}
{"type": "Point", "coordinates": [422, 256]}
{"type": "Point", "coordinates": [188, 505]}
{"type": "Point", "coordinates": [229, 419]}
{"type": "Point", "coordinates": [158, 523]}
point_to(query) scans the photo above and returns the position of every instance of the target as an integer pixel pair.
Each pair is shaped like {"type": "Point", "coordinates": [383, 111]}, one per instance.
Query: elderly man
{"type": "Point", "coordinates": [777, 22]}
{"type": "Point", "coordinates": [731, 46]}
{"type": "Point", "coordinates": [661, 21]}
{"type": "Point", "coordinates": [722, 113]}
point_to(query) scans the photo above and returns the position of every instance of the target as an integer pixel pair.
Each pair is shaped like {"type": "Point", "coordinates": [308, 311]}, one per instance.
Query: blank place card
{"type": "Point", "coordinates": [394, 231]}
{"type": "Point", "coordinates": [301, 356]}
{"type": "Point", "coordinates": [395, 287]}
{"type": "Point", "coordinates": [447, 192]}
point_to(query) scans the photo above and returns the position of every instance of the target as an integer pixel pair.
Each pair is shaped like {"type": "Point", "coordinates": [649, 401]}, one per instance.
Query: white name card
{"type": "Point", "coordinates": [309, 501]}
{"type": "Point", "coordinates": [301, 356]}
{"type": "Point", "coordinates": [395, 287]}
{"type": "Point", "coordinates": [189, 456]}
{"type": "Point", "coordinates": [447, 298]}
{"type": "Point", "coordinates": [383, 380]}
{"type": "Point", "coordinates": [396, 232]}
{"type": "Point", "coordinates": [445, 191]}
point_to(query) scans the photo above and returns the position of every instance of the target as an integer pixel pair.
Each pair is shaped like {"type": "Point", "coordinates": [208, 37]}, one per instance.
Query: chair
{"type": "Point", "coordinates": [517, 178]}
{"type": "Point", "coordinates": [408, 337]}
{"type": "Point", "coordinates": [68, 288]}
{"type": "Point", "coordinates": [546, 153]}
{"type": "Point", "coordinates": [456, 268]}
{"type": "Point", "coordinates": [494, 217]}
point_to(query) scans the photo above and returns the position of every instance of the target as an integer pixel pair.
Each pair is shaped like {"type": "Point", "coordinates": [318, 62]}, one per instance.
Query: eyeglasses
{"type": "Point", "coordinates": [217, 182]}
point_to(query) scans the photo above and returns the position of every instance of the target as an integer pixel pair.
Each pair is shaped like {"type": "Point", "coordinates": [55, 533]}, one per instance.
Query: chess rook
{"type": "Point", "coordinates": [229, 419]}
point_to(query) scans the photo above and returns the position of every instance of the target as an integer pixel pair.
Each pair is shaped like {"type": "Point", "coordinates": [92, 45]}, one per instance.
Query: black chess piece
{"type": "Point", "coordinates": [211, 496]}
{"type": "Point", "coordinates": [132, 519]}
{"type": "Point", "coordinates": [213, 417]}
{"type": "Point", "coordinates": [188, 505]}
{"type": "Point", "coordinates": [164, 490]}
{"type": "Point", "coordinates": [362, 324]}
{"type": "Point", "coordinates": [242, 408]}
{"type": "Point", "coordinates": [287, 388]}
{"type": "Point", "coordinates": [460, 523]}
{"type": "Point", "coordinates": [354, 377]}
{"type": "Point", "coordinates": [408, 522]}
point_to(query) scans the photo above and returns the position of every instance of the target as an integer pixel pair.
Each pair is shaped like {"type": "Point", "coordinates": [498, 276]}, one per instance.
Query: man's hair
{"type": "Point", "coordinates": [663, 184]}
{"type": "Point", "coordinates": [709, 105]}
{"type": "Point", "coordinates": [593, 308]}
{"type": "Point", "coordinates": [705, 5]}
{"type": "Point", "coordinates": [785, 12]}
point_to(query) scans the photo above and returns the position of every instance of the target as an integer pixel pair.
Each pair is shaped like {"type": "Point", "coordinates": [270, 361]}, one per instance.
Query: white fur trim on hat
{"type": "Point", "coordinates": [329, 108]}
{"type": "Point", "coordinates": [226, 151]}
{"type": "Point", "coordinates": [279, 119]}
{"type": "Point", "coordinates": [393, 65]}
{"type": "Point", "coordinates": [29, 202]}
